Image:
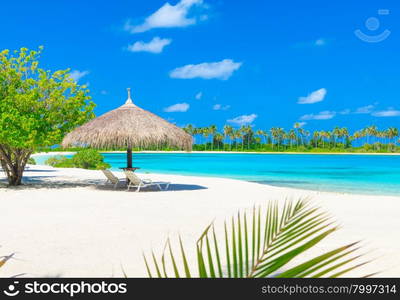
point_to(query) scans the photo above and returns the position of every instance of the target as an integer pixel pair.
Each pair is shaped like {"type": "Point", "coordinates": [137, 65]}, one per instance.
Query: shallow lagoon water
{"type": "Point", "coordinates": [366, 174]}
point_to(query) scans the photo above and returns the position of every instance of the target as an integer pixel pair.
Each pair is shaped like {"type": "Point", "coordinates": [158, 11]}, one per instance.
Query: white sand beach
{"type": "Point", "coordinates": [63, 223]}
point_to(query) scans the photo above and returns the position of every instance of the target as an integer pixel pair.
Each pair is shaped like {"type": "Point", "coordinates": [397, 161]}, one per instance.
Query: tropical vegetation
{"type": "Point", "coordinates": [37, 108]}
{"type": "Point", "coordinates": [248, 139]}
{"type": "Point", "coordinates": [84, 159]}
{"type": "Point", "coordinates": [261, 244]}
{"type": "Point", "coordinates": [339, 139]}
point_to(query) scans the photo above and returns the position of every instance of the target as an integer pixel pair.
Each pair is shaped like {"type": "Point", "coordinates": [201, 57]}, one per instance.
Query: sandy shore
{"type": "Point", "coordinates": [228, 152]}
{"type": "Point", "coordinates": [247, 152]}
{"type": "Point", "coordinates": [62, 223]}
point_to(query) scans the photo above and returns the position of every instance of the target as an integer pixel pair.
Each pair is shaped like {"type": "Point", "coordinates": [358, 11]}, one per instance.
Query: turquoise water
{"type": "Point", "coordinates": [369, 174]}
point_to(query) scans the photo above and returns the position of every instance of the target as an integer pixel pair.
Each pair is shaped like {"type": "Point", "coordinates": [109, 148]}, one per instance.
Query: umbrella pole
{"type": "Point", "coordinates": [129, 158]}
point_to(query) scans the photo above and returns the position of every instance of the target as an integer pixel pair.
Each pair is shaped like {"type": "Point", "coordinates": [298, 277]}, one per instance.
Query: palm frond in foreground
{"type": "Point", "coordinates": [261, 244]}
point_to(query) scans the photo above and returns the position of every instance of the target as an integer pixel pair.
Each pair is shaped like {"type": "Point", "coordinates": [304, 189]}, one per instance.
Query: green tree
{"type": "Point", "coordinates": [37, 108]}
{"type": "Point", "coordinates": [262, 134]}
{"type": "Point", "coordinates": [248, 136]}
{"type": "Point", "coordinates": [392, 134]}
{"type": "Point", "coordinates": [228, 132]}
{"type": "Point", "coordinates": [190, 129]}
{"type": "Point", "coordinates": [212, 130]}
{"type": "Point", "coordinates": [218, 140]}
{"type": "Point", "coordinates": [205, 132]}
{"type": "Point", "coordinates": [237, 133]}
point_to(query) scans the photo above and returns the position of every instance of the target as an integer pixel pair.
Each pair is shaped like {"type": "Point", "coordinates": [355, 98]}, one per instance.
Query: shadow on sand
{"type": "Point", "coordinates": [43, 182]}
{"type": "Point", "coordinates": [27, 171]}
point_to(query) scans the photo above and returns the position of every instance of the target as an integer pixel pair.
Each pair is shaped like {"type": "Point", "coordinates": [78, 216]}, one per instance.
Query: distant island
{"type": "Point", "coordinates": [296, 140]}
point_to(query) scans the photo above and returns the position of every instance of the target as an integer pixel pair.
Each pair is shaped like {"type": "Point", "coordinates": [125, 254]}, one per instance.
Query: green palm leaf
{"type": "Point", "coordinates": [265, 245]}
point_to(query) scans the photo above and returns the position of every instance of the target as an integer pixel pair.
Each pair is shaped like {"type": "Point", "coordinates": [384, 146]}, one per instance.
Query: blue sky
{"type": "Point", "coordinates": [260, 62]}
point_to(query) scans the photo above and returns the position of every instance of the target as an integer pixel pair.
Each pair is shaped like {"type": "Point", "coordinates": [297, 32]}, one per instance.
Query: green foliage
{"type": "Point", "coordinates": [84, 159]}
{"type": "Point", "coordinates": [37, 108]}
{"type": "Point", "coordinates": [261, 244]}
{"type": "Point", "coordinates": [368, 147]}
{"type": "Point", "coordinates": [59, 161]}
{"type": "Point", "coordinates": [297, 139]}
{"type": "Point", "coordinates": [31, 161]}
{"type": "Point", "coordinates": [89, 159]}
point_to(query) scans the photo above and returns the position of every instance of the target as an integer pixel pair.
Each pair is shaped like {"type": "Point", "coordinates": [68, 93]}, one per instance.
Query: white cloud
{"type": "Point", "coordinates": [167, 16]}
{"type": "Point", "coordinates": [301, 124]}
{"type": "Point", "coordinates": [220, 107]}
{"type": "Point", "coordinates": [76, 74]}
{"type": "Point", "coordinates": [365, 109]}
{"type": "Point", "coordinates": [243, 120]}
{"type": "Point", "coordinates": [313, 43]}
{"type": "Point", "coordinates": [320, 42]}
{"type": "Point", "coordinates": [214, 70]}
{"type": "Point", "coordinates": [368, 109]}
{"type": "Point", "coordinates": [156, 45]}
{"type": "Point", "coordinates": [345, 111]}
{"type": "Point", "coordinates": [179, 107]}
{"type": "Point", "coordinates": [387, 113]}
{"type": "Point", "coordinates": [323, 115]}
{"type": "Point", "coordinates": [314, 97]}
{"type": "Point", "coordinates": [199, 95]}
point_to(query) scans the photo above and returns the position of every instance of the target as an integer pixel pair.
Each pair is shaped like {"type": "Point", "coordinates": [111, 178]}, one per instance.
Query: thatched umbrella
{"type": "Point", "coordinates": [128, 126]}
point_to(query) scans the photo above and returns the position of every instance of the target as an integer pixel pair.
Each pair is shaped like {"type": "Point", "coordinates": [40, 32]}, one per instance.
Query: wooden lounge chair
{"type": "Point", "coordinates": [111, 178]}
{"type": "Point", "coordinates": [135, 181]}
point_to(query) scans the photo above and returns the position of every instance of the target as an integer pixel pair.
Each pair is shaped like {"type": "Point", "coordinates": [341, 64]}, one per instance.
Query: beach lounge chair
{"type": "Point", "coordinates": [111, 178]}
{"type": "Point", "coordinates": [135, 181]}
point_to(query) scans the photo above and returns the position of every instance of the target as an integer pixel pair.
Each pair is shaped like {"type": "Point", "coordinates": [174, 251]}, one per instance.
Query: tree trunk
{"type": "Point", "coordinates": [13, 162]}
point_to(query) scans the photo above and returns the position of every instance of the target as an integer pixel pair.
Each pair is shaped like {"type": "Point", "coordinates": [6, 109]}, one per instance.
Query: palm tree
{"type": "Point", "coordinates": [247, 134]}
{"type": "Point", "coordinates": [238, 135]}
{"type": "Point", "coordinates": [357, 135]}
{"type": "Point", "coordinates": [316, 137]}
{"type": "Point", "coordinates": [265, 136]}
{"type": "Point", "coordinates": [344, 133]}
{"type": "Point", "coordinates": [261, 244]}
{"type": "Point", "coordinates": [261, 134]}
{"type": "Point", "coordinates": [205, 131]}
{"type": "Point", "coordinates": [379, 139]}
{"type": "Point", "coordinates": [371, 131]}
{"type": "Point", "coordinates": [281, 136]}
{"type": "Point", "coordinates": [243, 131]}
{"type": "Point", "coordinates": [198, 131]}
{"type": "Point", "coordinates": [228, 132]}
{"type": "Point", "coordinates": [189, 129]}
{"type": "Point", "coordinates": [392, 134]}
{"type": "Point", "coordinates": [306, 135]}
{"type": "Point", "coordinates": [274, 136]}
{"type": "Point", "coordinates": [292, 136]}
{"type": "Point", "coordinates": [212, 130]}
{"type": "Point", "coordinates": [336, 134]}
{"type": "Point", "coordinates": [297, 127]}
{"type": "Point", "coordinates": [218, 139]}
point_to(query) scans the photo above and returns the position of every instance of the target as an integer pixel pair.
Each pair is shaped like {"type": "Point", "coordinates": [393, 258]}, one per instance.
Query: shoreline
{"type": "Point", "coordinates": [223, 152]}
{"type": "Point", "coordinates": [329, 189]}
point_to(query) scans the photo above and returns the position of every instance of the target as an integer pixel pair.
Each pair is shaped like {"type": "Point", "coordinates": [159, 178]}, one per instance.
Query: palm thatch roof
{"type": "Point", "coordinates": [128, 126]}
